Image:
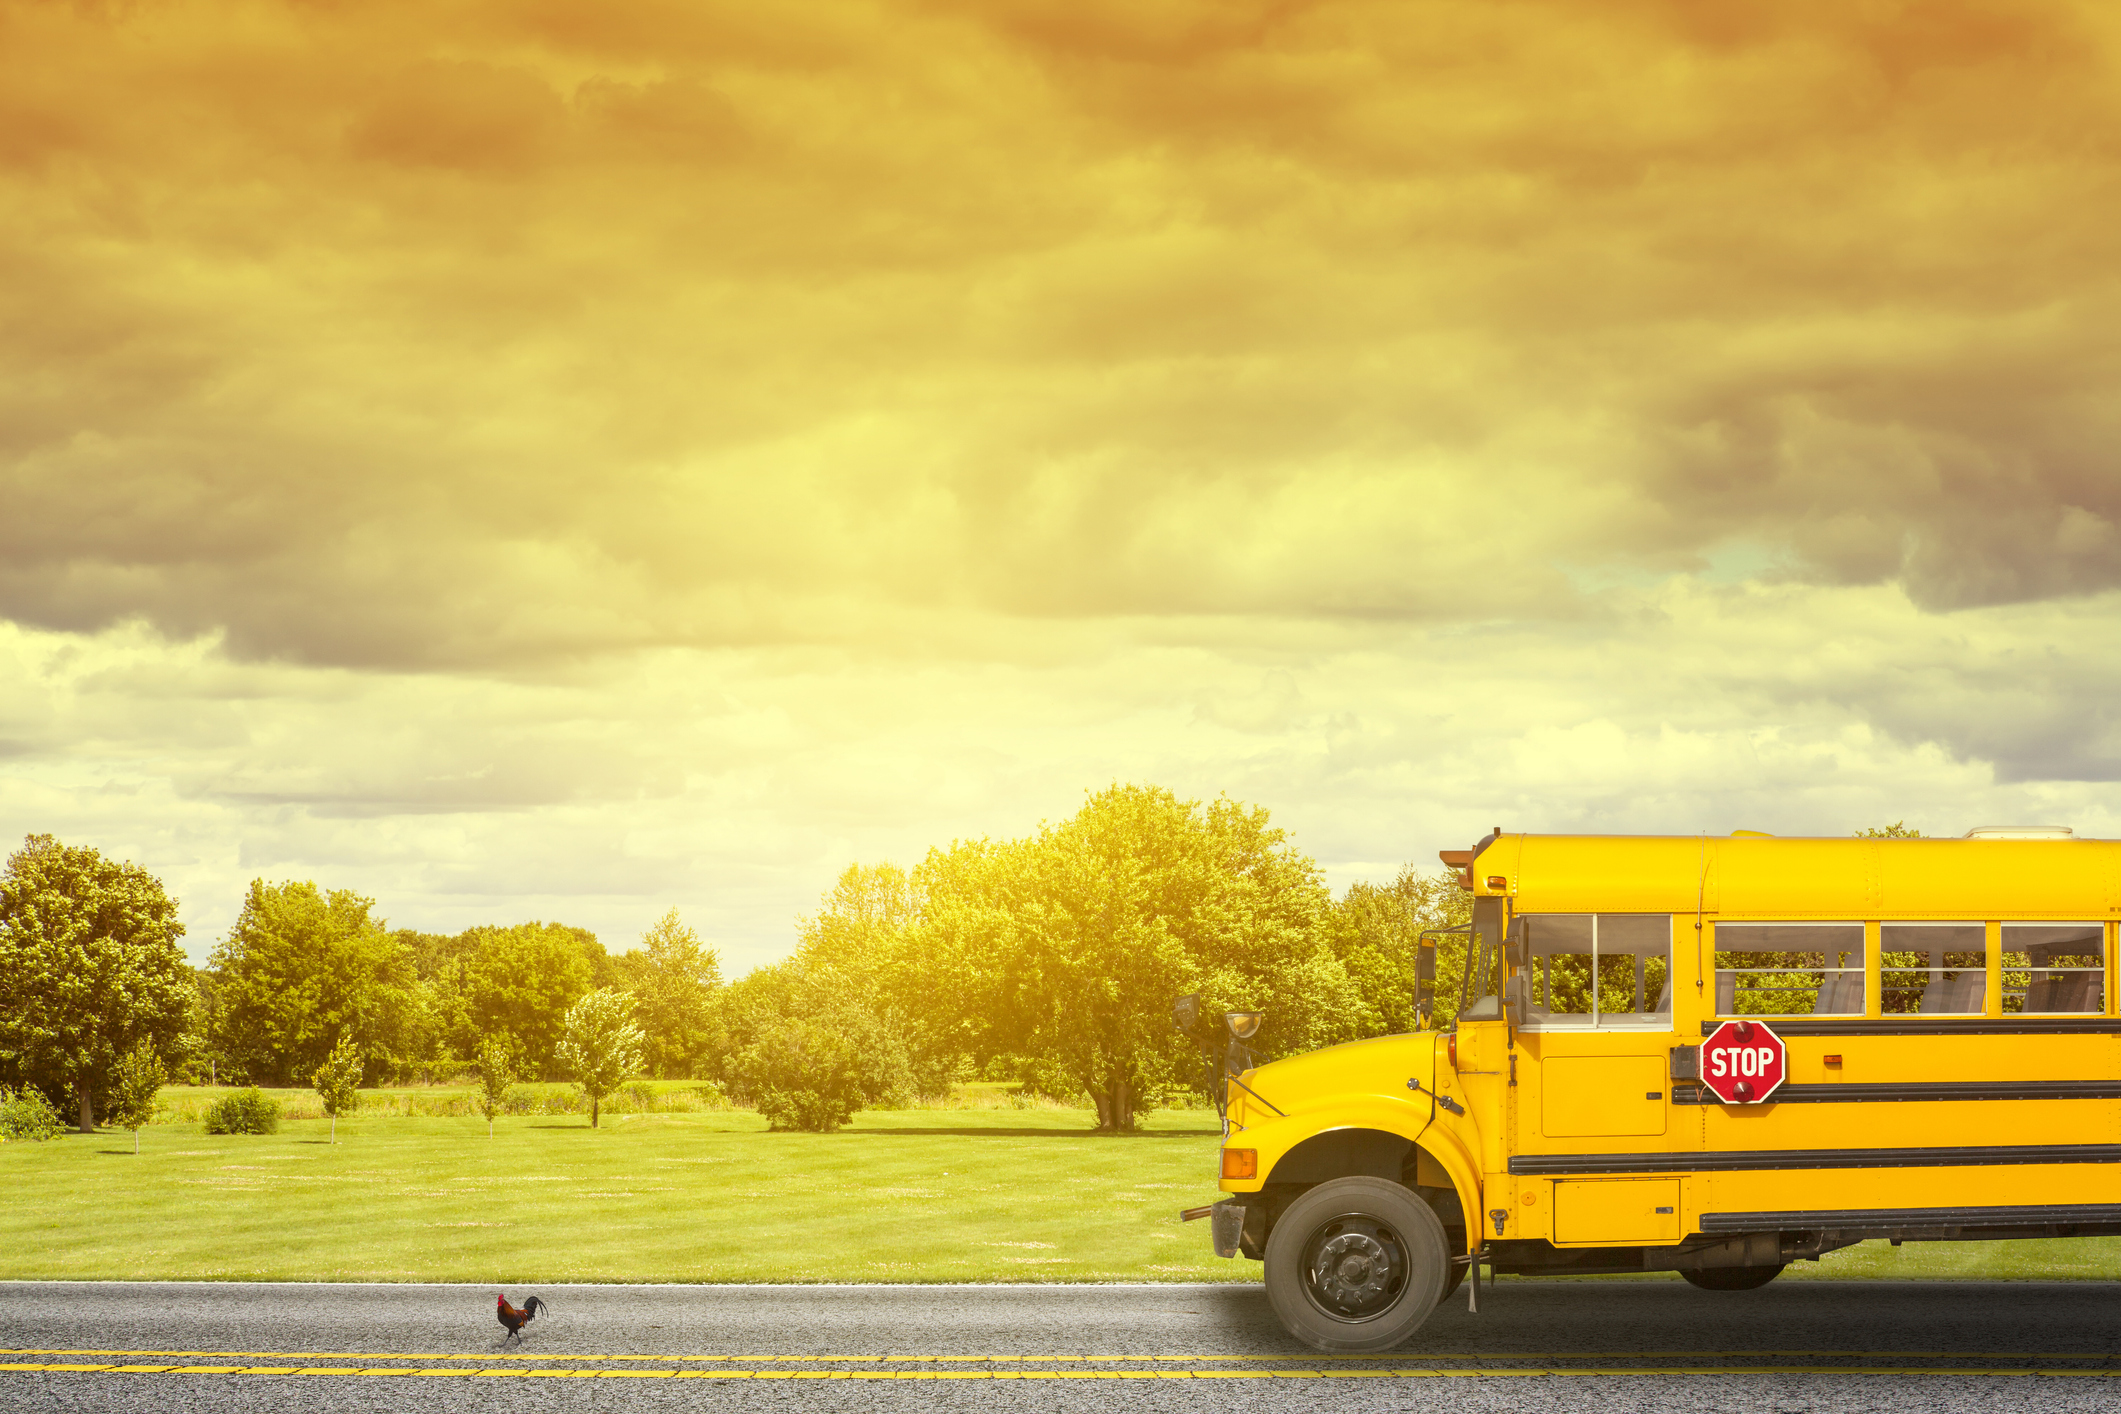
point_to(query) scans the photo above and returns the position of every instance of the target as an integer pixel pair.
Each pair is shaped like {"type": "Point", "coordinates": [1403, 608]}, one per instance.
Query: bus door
{"type": "Point", "coordinates": [1594, 991]}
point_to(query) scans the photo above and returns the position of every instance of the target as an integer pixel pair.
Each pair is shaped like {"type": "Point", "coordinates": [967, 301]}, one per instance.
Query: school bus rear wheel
{"type": "Point", "coordinates": [1356, 1264]}
{"type": "Point", "coordinates": [1732, 1278]}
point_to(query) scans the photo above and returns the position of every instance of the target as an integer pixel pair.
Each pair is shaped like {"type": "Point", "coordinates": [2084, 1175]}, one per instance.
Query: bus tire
{"type": "Point", "coordinates": [1733, 1278]}
{"type": "Point", "coordinates": [1356, 1265]}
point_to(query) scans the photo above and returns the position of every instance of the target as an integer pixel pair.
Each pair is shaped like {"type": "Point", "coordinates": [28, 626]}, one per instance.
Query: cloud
{"type": "Point", "coordinates": [581, 458]}
{"type": "Point", "coordinates": [448, 336]}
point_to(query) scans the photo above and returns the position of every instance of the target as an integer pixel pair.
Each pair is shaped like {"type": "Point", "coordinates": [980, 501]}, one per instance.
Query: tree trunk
{"type": "Point", "coordinates": [88, 1113]}
{"type": "Point", "coordinates": [592, 1112]}
{"type": "Point", "coordinates": [1115, 1105]}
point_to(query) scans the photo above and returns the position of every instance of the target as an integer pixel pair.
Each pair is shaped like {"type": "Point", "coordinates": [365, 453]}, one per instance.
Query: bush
{"type": "Point", "coordinates": [802, 1075]}
{"type": "Point", "coordinates": [26, 1114]}
{"type": "Point", "coordinates": [243, 1112]}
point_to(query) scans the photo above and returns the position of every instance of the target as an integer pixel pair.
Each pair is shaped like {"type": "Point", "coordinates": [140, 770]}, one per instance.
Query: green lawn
{"type": "Point", "coordinates": [913, 1195]}
{"type": "Point", "coordinates": [987, 1193]}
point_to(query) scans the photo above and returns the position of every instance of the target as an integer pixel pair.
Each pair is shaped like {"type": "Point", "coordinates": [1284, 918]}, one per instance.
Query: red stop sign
{"type": "Point", "coordinates": [1742, 1062]}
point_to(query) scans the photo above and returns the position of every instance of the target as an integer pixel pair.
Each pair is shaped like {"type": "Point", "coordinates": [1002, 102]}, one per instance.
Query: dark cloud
{"type": "Point", "coordinates": [445, 336]}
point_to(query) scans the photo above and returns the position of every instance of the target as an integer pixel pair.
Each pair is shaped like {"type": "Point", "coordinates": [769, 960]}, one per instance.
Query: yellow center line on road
{"type": "Point", "coordinates": [1402, 1357]}
{"type": "Point", "coordinates": [1283, 1374]}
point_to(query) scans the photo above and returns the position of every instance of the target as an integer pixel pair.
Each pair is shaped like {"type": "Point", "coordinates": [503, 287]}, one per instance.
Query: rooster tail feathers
{"type": "Point", "coordinates": [532, 1305]}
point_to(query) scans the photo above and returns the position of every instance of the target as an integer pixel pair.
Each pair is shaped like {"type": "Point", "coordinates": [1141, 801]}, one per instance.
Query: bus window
{"type": "Point", "coordinates": [1597, 969]}
{"type": "Point", "coordinates": [1481, 997]}
{"type": "Point", "coordinates": [1789, 969]}
{"type": "Point", "coordinates": [1934, 968]}
{"type": "Point", "coordinates": [2054, 967]}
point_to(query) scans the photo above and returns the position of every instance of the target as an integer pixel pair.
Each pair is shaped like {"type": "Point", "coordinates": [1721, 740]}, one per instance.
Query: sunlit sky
{"type": "Point", "coordinates": [568, 460]}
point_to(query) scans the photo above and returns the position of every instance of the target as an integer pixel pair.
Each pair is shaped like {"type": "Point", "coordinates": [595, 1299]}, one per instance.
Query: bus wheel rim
{"type": "Point", "coordinates": [1355, 1268]}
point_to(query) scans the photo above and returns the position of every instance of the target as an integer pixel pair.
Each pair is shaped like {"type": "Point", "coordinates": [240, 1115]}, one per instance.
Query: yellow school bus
{"type": "Point", "coordinates": [1952, 1071]}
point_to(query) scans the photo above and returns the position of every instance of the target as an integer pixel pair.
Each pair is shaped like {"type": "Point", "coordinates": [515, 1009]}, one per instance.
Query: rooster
{"type": "Point", "coordinates": [516, 1317]}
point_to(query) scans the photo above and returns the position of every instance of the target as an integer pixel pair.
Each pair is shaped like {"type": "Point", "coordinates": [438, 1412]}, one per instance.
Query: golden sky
{"type": "Point", "coordinates": [572, 459]}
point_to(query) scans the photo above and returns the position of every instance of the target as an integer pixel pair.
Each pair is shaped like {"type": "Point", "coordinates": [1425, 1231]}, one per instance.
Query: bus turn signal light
{"type": "Point", "coordinates": [1498, 881]}
{"type": "Point", "coordinates": [1240, 1163]}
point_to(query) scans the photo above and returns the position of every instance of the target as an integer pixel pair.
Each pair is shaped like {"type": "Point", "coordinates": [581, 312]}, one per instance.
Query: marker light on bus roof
{"type": "Point", "coordinates": [2020, 832]}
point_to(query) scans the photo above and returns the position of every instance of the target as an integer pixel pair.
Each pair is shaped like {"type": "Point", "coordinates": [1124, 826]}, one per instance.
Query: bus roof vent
{"type": "Point", "coordinates": [2020, 832]}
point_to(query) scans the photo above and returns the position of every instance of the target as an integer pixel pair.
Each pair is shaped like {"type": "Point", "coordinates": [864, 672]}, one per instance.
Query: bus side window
{"type": "Point", "coordinates": [1934, 968]}
{"type": "Point", "coordinates": [1789, 969]}
{"type": "Point", "coordinates": [1597, 969]}
{"type": "Point", "coordinates": [2054, 967]}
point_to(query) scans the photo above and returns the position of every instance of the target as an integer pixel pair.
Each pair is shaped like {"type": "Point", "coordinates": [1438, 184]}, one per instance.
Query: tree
{"type": "Point", "coordinates": [1069, 947]}
{"type": "Point", "coordinates": [1375, 932]}
{"type": "Point", "coordinates": [302, 970]}
{"type": "Point", "coordinates": [496, 1073]}
{"type": "Point", "coordinates": [523, 980]}
{"type": "Point", "coordinates": [600, 1045]}
{"type": "Point", "coordinates": [135, 1081]}
{"type": "Point", "coordinates": [89, 967]}
{"type": "Point", "coordinates": [1898, 830]}
{"type": "Point", "coordinates": [338, 1082]}
{"type": "Point", "coordinates": [673, 978]}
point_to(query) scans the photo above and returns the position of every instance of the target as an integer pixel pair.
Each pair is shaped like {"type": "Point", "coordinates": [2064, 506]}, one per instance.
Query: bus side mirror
{"type": "Point", "coordinates": [1513, 951]}
{"type": "Point", "coordinates": [1185, 1015]}
{"type": "Point", "coordinates": [1425, 963]}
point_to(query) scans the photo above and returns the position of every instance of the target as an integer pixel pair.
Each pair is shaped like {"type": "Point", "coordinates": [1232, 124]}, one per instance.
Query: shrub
{"type": "Point", "coordinates": [26, 1114]}
{"type": "Point", "coordinates": [243, 1112]}
{"type": "Point", "coordinates": [801, 1075]}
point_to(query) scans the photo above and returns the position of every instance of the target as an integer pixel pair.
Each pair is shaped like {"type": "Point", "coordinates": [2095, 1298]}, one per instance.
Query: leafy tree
{"type": "Point", "coordinates": [1376, 930]}
{"type": "Point", "coordinates": [600, 1045]}
{"type": "Point", "coordinates": [338, 1082]}
{"type": "Point", "coordinates": [89, 967]}
{"type": "Point", "coordinates": [523, 980]}
{"type": "Point", "coordinates": [673, 978]}
{"type": "Point", "coordinates": [303, 969]}
{"type": "Point", "coordinates": [1898, 830]}
{"type": "Point", "coordinates": [135, 1081]}
{"type": "Point", "coordinates": [496, 1063]}
{"type": "Point", "coordinates": [1070, 946]}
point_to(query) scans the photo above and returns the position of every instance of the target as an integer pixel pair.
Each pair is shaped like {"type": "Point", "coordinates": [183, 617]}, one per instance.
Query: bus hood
{"type": "Point", "coordinates": [1381, 1067]}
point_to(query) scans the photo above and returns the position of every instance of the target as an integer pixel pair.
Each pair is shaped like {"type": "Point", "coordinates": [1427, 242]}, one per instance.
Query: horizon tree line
{"type": "Point", "coordinates": [1050, 960]}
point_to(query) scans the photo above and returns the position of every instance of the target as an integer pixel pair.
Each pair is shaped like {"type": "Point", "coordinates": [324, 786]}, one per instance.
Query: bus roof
{"type": "Point", "coordinates": [1755, 876]}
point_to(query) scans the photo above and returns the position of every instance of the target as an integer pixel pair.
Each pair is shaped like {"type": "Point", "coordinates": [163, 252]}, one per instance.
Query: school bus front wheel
{"type": "Point", "coordinates": [1356, 1265]}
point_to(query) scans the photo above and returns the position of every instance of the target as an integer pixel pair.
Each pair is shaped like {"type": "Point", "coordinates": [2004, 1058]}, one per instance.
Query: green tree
{"type": "Point", "coordinates": [1898, 830]}
{"type": "Point", "coordinates": [523, 980]}
{"type": "Point", "coordinates": [1376, 931]}
{"type": "Point", "coordinates": [600, 1045]}
{"type": "Point", "coordinates": [497, 1071]}
{"type": "Point", "coordinates": [673, 978]}
{"type": "Point", "coordinates": [302, 969]}
{"type": "Point", "coordinates": [338, 1082]}
{"type": "Point", "coordinates": [89, 967]}
{"type": "Point", "coordinates": [1069, 947]}
{"type": "Point", "coordinates": [135, 1081]}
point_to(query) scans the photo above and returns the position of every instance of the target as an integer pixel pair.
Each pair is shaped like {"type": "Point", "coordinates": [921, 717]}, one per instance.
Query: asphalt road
{"type": "Point", "coordinates": [1613, 1346]}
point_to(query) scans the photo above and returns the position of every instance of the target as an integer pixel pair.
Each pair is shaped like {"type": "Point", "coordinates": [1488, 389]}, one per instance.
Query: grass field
{"type": "Point", "coordinates": [983, 1192]}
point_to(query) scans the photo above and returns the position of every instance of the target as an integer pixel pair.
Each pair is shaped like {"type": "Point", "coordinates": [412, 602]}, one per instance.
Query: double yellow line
{"type": "Point", "coordinates": [535, 1365]}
